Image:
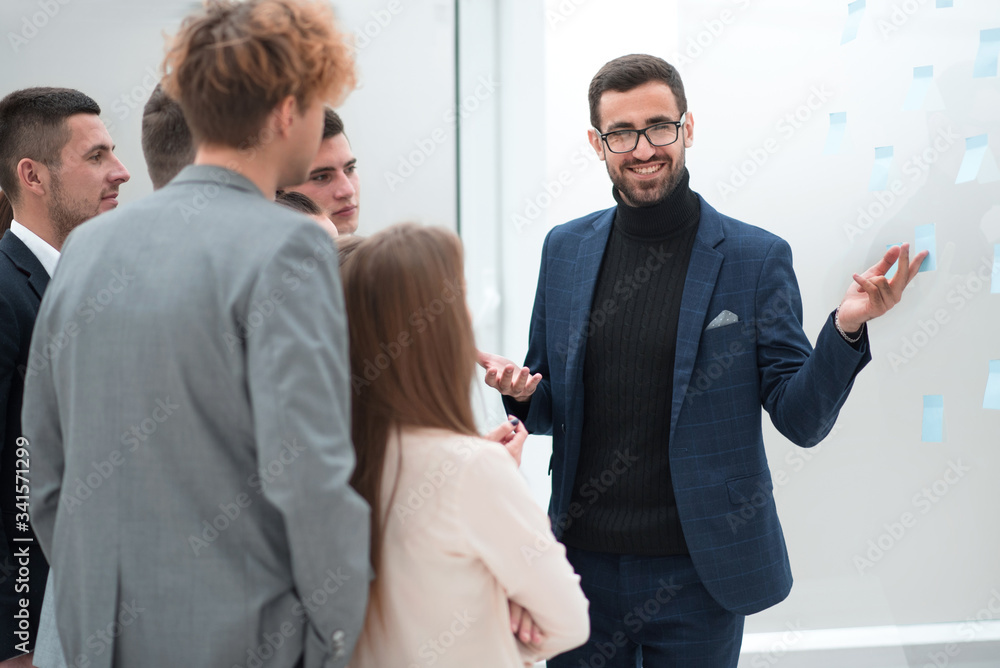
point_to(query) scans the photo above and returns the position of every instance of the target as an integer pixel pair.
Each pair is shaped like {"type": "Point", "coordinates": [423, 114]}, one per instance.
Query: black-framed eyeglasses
{"type": "Point", "coordinates": [661, 134]}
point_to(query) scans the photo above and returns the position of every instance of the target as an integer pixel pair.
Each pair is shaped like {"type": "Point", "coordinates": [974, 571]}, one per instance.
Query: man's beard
{"type": "Point", "coordinates": [67, 214]}
{"type": "Point", "coordinates": [658, 191]}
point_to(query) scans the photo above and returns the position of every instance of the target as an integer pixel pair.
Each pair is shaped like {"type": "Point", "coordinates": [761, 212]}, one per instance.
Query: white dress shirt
{"type": "Point", "coordinates": [41, 249]}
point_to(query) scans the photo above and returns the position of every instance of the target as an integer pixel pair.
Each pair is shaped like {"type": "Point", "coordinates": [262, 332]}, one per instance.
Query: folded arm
{"type": "Point", "coordinates": [511, 534]}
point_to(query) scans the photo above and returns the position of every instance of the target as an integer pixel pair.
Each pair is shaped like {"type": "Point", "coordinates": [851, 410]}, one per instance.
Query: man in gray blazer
{"type": "Point", "coordinates": [186, 399]}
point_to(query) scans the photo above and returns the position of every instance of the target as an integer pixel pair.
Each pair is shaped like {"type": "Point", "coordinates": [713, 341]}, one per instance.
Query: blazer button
{"type": "Point", "coordinates": [338, 638]}
{"type": "Point", "coordinates": [563, 426]}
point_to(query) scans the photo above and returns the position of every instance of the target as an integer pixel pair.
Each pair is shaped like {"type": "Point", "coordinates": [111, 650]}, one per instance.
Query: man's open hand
{"type": "Point", "coordinates": [509, 378]}
{"type": "Point", "coordinates": [872, 294]}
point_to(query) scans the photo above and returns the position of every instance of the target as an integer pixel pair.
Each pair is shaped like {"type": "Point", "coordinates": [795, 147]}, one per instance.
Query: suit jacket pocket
{"type": "Point", "coordinates": [756, 490]}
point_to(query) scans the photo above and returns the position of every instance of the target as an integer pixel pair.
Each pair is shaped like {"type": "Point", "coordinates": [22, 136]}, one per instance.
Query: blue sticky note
{"type": "Point", "coordinates": [880, 171]}
{"type": "Point", "coordinates": [925, 241]}
{"type": "Point", "coordinates": [892, 270]}
{"type": "Point", "coordinates": [978, 162]}
{"type": "Point", "coordinates": [975, 151]}
{"type": "Point", "coordinates": [989, 49]}
{"type": "Point", "coordinates": [943, 4]}
{"type": "Point", "coordinates": [995, 289]}
{"type": "Point", "coordinates": [933, 428]}
{"type": "Point", "coordinates": [855, 10]}
{"type": "Point", "coordinates": [992, 397]}
{"type": "Point", "coordinates": [988, 170]}
{"type": "Point", "coordinates": [838, 125]}
{"type": "Point", "coordinates": [922, 78]}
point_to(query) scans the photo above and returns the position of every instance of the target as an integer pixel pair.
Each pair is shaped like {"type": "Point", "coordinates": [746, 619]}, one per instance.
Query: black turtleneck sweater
{"type": "Point", "coordinates": [623, 477]}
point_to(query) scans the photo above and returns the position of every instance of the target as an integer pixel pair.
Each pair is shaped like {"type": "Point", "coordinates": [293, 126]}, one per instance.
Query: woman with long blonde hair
{"type": "Point", "coordinates": [457, 540]}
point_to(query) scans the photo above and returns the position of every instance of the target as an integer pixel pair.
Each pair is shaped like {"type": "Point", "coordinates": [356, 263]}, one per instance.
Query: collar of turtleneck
{"type": "Point", "coordinates": [679, 210]}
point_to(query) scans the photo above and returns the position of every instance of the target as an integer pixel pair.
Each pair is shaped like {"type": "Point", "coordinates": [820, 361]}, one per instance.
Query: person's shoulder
{"type": "Point", "coordinates": [442, 440]}
{"type": "Point", "coordinates": [567, 235]}
{"type": "Point", "coordinates": [581, 225]}
{"type": "Point", "coordinates": [739, 233]}
{"type": "Point", "coordinates": [468, 453]}
{"type": "Point", "coordinates": [8, 270]}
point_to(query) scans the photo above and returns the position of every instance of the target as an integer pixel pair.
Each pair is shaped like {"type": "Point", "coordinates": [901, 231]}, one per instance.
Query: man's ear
{"type": "Point", "coordinates": [688, 130]}
{"type": "Point", "coordinates": [596, 142]}
{"type": "Point", "coordinates": [33, 177]}
{"type": "Point", "coordinates": [284, 115]}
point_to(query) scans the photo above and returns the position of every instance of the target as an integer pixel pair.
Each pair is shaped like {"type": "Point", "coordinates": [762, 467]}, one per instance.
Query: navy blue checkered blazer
{"type": "Point", "coordinates": [722, 378]}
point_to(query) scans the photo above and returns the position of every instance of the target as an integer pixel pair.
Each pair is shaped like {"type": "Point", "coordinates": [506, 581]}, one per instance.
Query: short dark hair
{"type": "Point", "coordinates": [33, 125]}
{"type": "Point", "coordinates": [333, 125]}
{"type": "Point", "coordinates": [298, 202]}
{"type": "Point", "coordinates": [166, 138]}
{"type": "Point", "coordinates": [628, 72]}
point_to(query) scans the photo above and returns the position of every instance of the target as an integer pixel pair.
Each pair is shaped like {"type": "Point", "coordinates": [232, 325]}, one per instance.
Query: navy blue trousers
{"type": "Point", "coordinates": [650, 612]}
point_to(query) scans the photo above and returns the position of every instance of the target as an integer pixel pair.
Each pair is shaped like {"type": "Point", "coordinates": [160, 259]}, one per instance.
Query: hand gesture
{"type": "Point", "coordinates": [510, 379]}
{"type": "Point", "coordinates": [511, 435]}
{"type": "Point", "coordinates": [872, 294]}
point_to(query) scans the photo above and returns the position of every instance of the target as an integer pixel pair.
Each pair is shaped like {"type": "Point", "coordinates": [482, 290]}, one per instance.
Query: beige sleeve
{"type": "Point", "coordinates": [511, 534]}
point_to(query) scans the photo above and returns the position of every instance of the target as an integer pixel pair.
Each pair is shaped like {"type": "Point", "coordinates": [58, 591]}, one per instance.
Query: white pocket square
{"type": "Point", "coordinates": [723, 319]}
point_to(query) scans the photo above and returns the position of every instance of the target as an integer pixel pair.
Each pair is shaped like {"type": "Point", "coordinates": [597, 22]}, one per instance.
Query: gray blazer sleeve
{"type": "Point", "coordinates": [41, 426]}
{"type": "Point", "coordinates": [299, 383]}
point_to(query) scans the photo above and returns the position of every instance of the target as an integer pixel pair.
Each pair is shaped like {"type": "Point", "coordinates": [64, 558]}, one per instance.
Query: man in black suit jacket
{"type": "Point", "coordinates": [58, 170]}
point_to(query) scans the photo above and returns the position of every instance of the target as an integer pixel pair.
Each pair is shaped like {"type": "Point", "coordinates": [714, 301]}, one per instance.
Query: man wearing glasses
{"type": "Point", "coordinates": [660, 328]}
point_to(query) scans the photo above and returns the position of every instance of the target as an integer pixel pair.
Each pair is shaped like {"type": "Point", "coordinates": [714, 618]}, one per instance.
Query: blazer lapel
{"type": "Point", "coordinates": [26, 262]}
{"type": "Point", "coordinates": [699, 286]}
{"type": "Point", "coordinates": [588, 264]}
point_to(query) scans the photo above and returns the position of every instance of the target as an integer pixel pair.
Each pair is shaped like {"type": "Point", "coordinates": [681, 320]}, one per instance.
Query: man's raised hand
{"type": "Point", "coordinates": [510, 379]}
{"type": "Point", "coordinates": [872, 294]}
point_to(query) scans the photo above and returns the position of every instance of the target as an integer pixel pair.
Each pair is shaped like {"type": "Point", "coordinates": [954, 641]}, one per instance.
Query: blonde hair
{"type": "Point", "coordinates": [231, 64]}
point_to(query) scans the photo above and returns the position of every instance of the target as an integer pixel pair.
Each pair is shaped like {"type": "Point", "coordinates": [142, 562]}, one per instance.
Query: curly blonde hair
{"type": "Point", "coordinates": [231, 64]}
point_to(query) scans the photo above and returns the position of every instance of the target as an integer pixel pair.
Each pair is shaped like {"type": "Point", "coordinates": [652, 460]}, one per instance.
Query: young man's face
{"type": "Point", "coordinates": [333, 183]}
{"type": "Point", "coordinates": [87, 180]}
{"type": "Point", "coordinates": [647, 174]}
